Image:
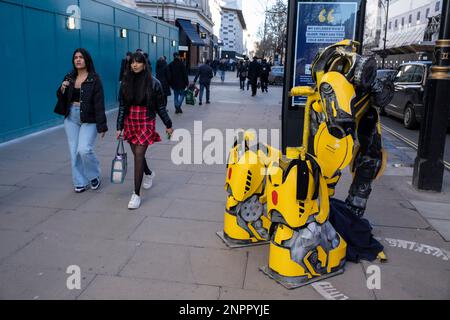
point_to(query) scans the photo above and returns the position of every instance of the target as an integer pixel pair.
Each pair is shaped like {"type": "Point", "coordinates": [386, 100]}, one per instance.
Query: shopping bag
{"type": "Point", "coordinates": [190, 98]}
{"type": "Point", "coordinates": [119, 164]}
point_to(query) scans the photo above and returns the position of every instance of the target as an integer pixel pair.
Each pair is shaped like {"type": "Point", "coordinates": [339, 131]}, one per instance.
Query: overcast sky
{"type": "Point", "coordinates": [253, 11]}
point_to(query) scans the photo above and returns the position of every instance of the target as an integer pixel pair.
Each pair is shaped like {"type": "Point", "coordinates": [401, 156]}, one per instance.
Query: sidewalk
{"type": "Point", "coordinates": [168, 249]}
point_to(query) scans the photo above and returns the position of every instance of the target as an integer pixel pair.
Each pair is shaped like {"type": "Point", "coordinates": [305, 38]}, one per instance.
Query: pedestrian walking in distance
{"type": "Point", "coordinates": [254, 72]}
{"type": "Point", "coordinates": [142, 97]}
{"type": "Point", "coordinates": [205, 74]}
{"type": "Point", "coordinates": [123, 65]}
{"type": "Point", "coordinates": [242, 73]}
{"type": "Point", "coordinates": [163, 77]}
{"type": "Point", "coordinates": [265, 71]}
{"type": "Point", "coordinates": [178, 80]}
{"type": "Point", "coordinates": [222, 69]}
{"type": "Point", "coordinates": [81, 102]}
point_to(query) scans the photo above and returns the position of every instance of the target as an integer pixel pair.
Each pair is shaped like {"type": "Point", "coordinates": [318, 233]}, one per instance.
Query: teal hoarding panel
{"type": "Point", "coordinates": [163, 31]}
{"type": "Point", "coordinates": [109, 66]}
{"type": "Point", "coordinates": [39, 30]}
{"type": "Point", "coordinates": [133, 42]}
{"type": "Point", "coordinates": [159, 46]}
{"type": "Point", "coordinates": [36, 33]}
{"type": "Point", "coordinates": [12, 63]}
{"type": "Point", "coordinates": [126, 20]}
{"type": "Point", "coordinates": [98, 12]}
{"type": "Point", "coordinates": [57, 6]}
{"type": "Point", "coordinates": [143, 41]}
{"type": "Point", "coordinates": [147, 26]}
{"type": "Point", "coordinates": [90, 40]}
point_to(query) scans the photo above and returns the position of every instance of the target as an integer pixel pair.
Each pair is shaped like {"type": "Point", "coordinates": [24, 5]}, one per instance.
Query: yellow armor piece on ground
{"type": "Point", "coordinates": [245, 218]}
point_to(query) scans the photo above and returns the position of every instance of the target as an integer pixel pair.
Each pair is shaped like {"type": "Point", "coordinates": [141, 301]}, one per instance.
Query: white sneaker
{"type": "Point", "coordinates": [135, 202]}
{"type": "Point", "coordinates": [148, 181]}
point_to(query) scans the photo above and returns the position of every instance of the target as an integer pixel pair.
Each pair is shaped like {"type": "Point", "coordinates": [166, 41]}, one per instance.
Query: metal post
{"type": "Point", "coordinates": [386, 9]}
{"type": "Point", "coordinates": [429, 165]}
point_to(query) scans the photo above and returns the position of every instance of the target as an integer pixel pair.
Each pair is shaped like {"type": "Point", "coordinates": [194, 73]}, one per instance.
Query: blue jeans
{"type": "Point", "coordinates": [222, 75]}
{"type": "Point", "coordinates": [204, 86]}
{"type": "Point", "coordinates": [81, 138]}
{"type": "Point", "coordinates": [178, 98]}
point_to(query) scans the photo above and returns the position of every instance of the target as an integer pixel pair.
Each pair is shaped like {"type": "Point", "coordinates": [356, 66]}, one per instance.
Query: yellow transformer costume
{"type": "Point", "coordinates": [286, 200]}
{"type": "Point", "coordinates": [342, 127]}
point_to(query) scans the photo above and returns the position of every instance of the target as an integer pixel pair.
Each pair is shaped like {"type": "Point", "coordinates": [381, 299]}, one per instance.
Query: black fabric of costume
{"type": "Point", "coordinates": [357, 232]}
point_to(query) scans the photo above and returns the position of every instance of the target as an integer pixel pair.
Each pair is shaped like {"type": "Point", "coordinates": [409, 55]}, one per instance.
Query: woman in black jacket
{"type": "Point", "coordinates": [81, 102]}
{"type": "Point", "coordinates": [141, 99]}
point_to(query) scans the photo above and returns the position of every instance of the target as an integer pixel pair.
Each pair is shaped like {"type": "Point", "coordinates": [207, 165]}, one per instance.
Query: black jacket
{"type": "Point", "coordinates": [162, 76]}
{"type": "Point", "coordinates": [178, 77]}
{"type": "Point", "coordinates": [254, 70]}
{"type": "Point", "coordinates": [92, 101]}
{"type": "Point", "coordinates": [155, 105]}
{"type": "Point", "coordinates": [205, 73]}
{"type": "Point", "coordinates": [265, 69]}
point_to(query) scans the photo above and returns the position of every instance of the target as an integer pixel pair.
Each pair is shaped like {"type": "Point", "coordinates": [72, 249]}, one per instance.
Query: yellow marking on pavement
{"type": "Point", "coordinates": [408, 142]}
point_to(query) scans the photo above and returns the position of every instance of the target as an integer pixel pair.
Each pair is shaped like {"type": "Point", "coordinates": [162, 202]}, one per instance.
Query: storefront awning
{"type": "Point", "coordinates": [191, 33]}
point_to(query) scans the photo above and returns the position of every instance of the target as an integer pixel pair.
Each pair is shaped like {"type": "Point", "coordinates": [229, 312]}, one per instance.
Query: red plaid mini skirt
{"type": "Point", "coordinates": [138, 129]}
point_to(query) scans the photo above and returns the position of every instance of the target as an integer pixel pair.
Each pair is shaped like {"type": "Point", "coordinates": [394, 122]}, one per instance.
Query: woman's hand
{"type": "Point", "coordinates": [64, 86]}
{"type": "Point", "coordinates": [118, 134]}
{"type": "Point", "coordinates": [169, 132]}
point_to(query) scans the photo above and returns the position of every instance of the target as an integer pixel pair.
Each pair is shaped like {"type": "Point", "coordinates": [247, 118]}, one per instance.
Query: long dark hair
{"type": "Point", "coordinates": [133, 90]}
{"type": "Point", "coordinates": [87, 59]}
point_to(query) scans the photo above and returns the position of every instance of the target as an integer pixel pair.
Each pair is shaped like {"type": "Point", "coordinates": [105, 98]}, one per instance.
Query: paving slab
{"type": "Point", "coordinates": [196, 210]}
{"type": "Point", "coordinates": [64, 198]}
{"type": "Point", "coordinates": [408, 283]}
{"type": "Point", "coordinates": [91, 225]}
{"type": "Point", "coordinates": [417, 249]}
{"type": "Point", "coordinates": [441, 226]}
{"type": "Point", "coordinates": [37, 283]}
{"type": "Point", "coordinates": [122, 288]}
{"type": "Point", "coordinates": [8, 179]}
{"type": "Point", "coordinates": [92, 255]}
{"type": "Point", "coordinates": [210, 179]}
{"type": "Point", "coordinates": [433, 210]}
{"type": "Point", "coordinates": [182, 232]}
{"type": "Point", "coordinates": [392, 214]}
{"type": "Point", "coordinates": [22, 218]}
{"type": "Point", "coordinates": [12, 241]}
{"type": "Point", "coordinates": [198, 192]}
{"type": "Point", "coordinates": [117, 203]}
{"type": "Point", "coordinates": [188, 265]}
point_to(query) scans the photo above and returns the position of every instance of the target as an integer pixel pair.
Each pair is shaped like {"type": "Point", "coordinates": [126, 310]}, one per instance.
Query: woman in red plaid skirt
{"type": "Point", "coordinates": [141, 98]}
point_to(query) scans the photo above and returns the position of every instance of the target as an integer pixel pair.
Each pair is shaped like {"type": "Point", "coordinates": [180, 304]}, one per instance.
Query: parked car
{"type": "Point", "coordinates": [276, 76]}
{"type": "Point", "coordinates": [386, 73]}
{"type": "Point", "coordinates": [408, 101]}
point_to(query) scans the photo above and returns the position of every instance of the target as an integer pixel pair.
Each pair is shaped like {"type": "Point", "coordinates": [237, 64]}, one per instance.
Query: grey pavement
{"type": "Point", "coordinates": [168, 249]}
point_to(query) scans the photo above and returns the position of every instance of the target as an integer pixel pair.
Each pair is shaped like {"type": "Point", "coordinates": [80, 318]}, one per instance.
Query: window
{"type": "Point", "coordinates": [410, 74]}
{"type": "Point", "coordinates": [418, 16]}
{"type": "Point", "coordinates": [396, 24]}
{"type": "Point", "coordinates": [427, 14]}
{"type": "Point", "coordinates": [410, 18]}
{"type": "Point", "coordinates": [390, 25]}
{"type": "Point", "coordinates": [438, 6]}
{"type": "Point", "coordinates": [403, 22]}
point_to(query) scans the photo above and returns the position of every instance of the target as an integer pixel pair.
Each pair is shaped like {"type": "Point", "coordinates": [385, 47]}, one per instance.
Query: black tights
{"type": "Point", "coordinates": [140, 166]}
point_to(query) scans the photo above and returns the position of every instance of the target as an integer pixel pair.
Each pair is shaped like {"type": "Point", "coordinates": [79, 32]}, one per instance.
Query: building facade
{"type": "Point", "coordinates": [194, 19]}
{"type": "Point", "coordinates": [412, 29]}
{"type": "Point", "coordinates": [232, 30]}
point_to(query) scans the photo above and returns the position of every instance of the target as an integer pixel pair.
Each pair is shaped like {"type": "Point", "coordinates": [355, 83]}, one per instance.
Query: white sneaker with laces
{"type": "Point", "coordinates": [148, 181]}
{"type": "Point", "coordinates": [135, 202]}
